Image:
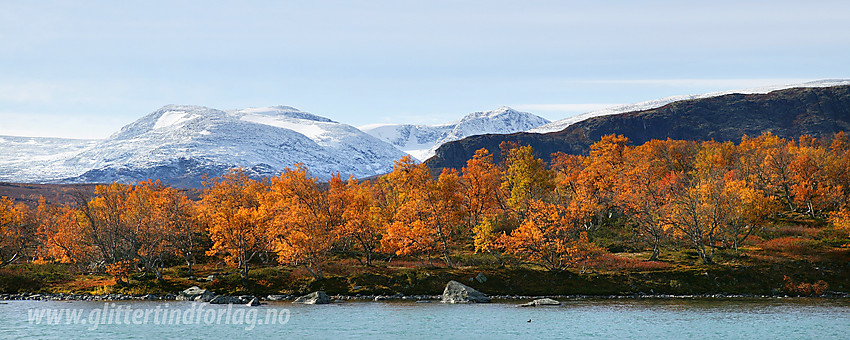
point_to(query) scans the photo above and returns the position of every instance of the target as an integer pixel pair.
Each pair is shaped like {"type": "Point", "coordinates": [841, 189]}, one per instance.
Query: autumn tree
{"type": "Point", "coordinates": [777, 168]}
{"type": "Point", "coordinates": [550, 238]}
{"type": "Point", "coordinates": [703, 202]}
{"type": "Point", "coordinates": [409, 225]}
{"type": "Point", "coordinates": [749, 210]}
{"type": "Point", "coordinates": [303, 220]}
{"type": "Point", "coordinates": [61, 234]}
{"type": "Point", "coordinates": [445, 214]}
{"type": "Point", "coordinates": [187, 235]}
{"type": "Point", "coordinates": [362, 220]}
{"type": "Point", "coordinates": [812, 188]}
{"type": "Point", "coordinates": [482, 185]}
{"type": "Point", "coordinates": [841, 220]}
{"type": "Point", "coordinates": [525, 179]}
{"type": "Point", "coordinates": [230, 208]}
{"type": "Point", "coordinates": [838, 167]}
{"type": "Point", "coordinates": [643, 191]}
{"type": "Point", "coordinates": [162, 225]}
{"type": "Point", "coordinates": [17, 231]}
{"type": "Point", "coordinates": [104, 225]}
{"type": "Point", "coordinates": [603, 169]}
{"type": "Point", "coordinates": [150, 234]}
{"type": "Point", "coordinates": [485, 202]}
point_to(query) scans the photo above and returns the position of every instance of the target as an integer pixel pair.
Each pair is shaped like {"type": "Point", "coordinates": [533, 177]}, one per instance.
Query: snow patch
{"type": "Point", "coordinates": [170, 118]}
{"type": "Point", "coordinates": [305, 128]}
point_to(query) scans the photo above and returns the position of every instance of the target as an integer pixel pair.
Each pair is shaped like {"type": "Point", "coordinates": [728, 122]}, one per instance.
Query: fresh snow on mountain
{"type": "Point", "coordinates": [415, 140]}
{"type": "Point", "coordinates": [180, 144]}
{"type": "Point", "coordinates": [421, 141]}
{"type": "Point", "coordinates": [36, 159]}
{"type": "Point", "coordinates": [652, 104]}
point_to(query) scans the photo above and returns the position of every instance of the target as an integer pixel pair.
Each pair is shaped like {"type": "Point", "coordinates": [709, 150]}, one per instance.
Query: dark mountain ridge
{"type": "Point", "coordinates": [787, 113]}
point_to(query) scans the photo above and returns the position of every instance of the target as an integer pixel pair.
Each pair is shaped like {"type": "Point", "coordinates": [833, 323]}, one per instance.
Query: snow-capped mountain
{"type": "Point", "coordinates": [656, 103]}
{"type": "Point", "coordinates": [421, 141]}
{"type": "Point", "coordinates": [36, 159]}
{"type": "Point", "coordinates": [179, 144]}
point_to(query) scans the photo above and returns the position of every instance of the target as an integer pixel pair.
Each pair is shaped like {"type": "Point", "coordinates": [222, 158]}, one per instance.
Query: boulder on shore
{"type": "Point", "coordinates": [314, 298]}
{"type": "Point", "coordinates": [541, 302]}
{"type": "Point", "coordinates": [229, 299]}
{"type": "Point", "coordinates": [277, 297]}
{"type": "Point", "coordinates": [457, 292]}
{"type": "Point", "coordinates": [253, 302]}
{"type": "Point", "coordinates": [195, 293]}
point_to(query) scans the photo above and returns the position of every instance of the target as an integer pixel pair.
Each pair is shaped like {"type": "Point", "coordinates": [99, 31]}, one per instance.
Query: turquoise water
{"type": "Point", "coordinates": [576, 319]}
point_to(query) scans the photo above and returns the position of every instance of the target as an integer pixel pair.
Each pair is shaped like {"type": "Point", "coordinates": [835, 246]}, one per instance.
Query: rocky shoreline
{"type": "Point", "coordinates": [397, 297]}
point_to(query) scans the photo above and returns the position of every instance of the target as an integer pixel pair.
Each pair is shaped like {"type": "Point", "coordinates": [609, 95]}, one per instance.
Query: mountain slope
{"type": "Point", "coordinates": [656, 103]}
{"type": "Point", "coordinates": [179, 144]}
{"type": "Point", "coordinates": [788, 113]}
{"type": "Point", "coordinates": [421, 141]}
{"type": "Point", "coordinates": [33, 159]}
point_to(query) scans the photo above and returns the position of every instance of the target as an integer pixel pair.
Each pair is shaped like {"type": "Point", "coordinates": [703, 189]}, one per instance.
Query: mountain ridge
{"type": "Point", "coordinates": [787, 113]}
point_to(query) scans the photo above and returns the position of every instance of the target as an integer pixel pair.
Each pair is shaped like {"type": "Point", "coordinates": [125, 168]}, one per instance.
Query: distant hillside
{"type": "Point", "coordinates": [787, 113]}
{"type": "Point", "coordinates": [52, 193]}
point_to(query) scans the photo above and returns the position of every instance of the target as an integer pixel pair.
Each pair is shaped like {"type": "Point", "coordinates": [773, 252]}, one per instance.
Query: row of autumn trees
{"type": "Point", "coordinates": [708, 195]}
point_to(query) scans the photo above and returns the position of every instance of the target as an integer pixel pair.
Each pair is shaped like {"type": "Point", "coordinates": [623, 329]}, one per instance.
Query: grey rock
{"type": "Point", "coordinates": [277, 297]}
{"type": "Point", "coordinates": [229, 299]}
{"type": "Point", "coordinates": [195, 293]}
{"type": "Point", "coordinates": [253, 302]}
{"type": "Point", "coordinates": [457, 292]}
{"type": "Point", "coordinates": [314, 298]}
{"type": "Point", "coordinates": [541, 302]}
{"type": "Point", "coordinates": [480, 278]}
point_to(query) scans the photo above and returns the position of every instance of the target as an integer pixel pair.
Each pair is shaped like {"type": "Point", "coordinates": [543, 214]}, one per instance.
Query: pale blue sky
{"type": "Point", "coordinates": [85, 68]}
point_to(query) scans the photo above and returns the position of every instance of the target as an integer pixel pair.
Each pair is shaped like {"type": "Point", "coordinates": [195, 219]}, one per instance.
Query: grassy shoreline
{"type": "Point", "coordinates": [769, 279]}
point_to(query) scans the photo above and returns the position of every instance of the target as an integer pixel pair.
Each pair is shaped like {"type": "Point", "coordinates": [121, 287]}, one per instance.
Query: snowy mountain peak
{"type": "Point", "coordinates": [283, 111]}
{"type": "Point", "coordinates": [490, 114]}
{"type": "Point", "coordinates": [421, 141]}
{"type": "Point", "coordinates": [167, 118]}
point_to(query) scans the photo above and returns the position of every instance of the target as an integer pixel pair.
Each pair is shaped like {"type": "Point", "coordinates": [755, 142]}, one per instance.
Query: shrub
{"type": "Point", "coordinates": [791, 245]}
{"type": "Point", "coordinates": [613, 262]}
{"type": "Point", "coordinates": [791, 286]}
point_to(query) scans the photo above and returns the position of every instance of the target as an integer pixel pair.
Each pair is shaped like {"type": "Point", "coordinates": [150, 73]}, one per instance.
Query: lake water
{"type": "Point", "coordinates": [794, 318]}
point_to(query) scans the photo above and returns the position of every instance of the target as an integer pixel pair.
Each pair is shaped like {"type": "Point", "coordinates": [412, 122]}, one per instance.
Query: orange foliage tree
{"type": "Point", "coordinates": [230, 208]}
{"type": "Point", "coordinates": [17, 232]}
{"type": "Point", "coordinates": [549, 237]}
{"type": "Point", "coordinates": [422, 213]}
{"type": "Point", "coordinates": [525, 179]}
{"type": "Point", "coordinates": [61, 234]}
{"type": "Point", "coordinates": [643, 190]}
{"type": "Point", "coordinates": [303, 220]}
{"type": "Point", "coordinates": [104, 224]}
{"type": "Point", "coordinates": [161, 219]}
{"type": "Point", "coordinates": [485, 200]}
{"type": "Point", "coordinates": [362, 220]}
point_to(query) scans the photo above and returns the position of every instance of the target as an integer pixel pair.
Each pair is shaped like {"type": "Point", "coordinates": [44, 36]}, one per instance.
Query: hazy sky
{"type": "Point", "coordinates": [85, 68]}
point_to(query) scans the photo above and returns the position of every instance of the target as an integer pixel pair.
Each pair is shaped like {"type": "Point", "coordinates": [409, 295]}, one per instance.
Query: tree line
{"type": "Point", "coordinates": [708, 195]}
